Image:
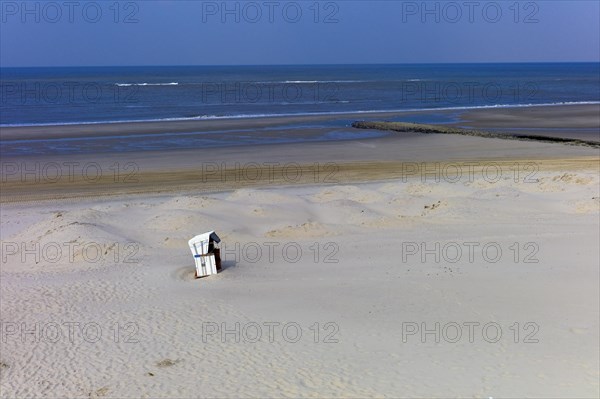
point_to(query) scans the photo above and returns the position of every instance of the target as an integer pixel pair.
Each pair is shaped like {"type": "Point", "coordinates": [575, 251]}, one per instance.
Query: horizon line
{"type": "Point", "coordinates": [284, 65]}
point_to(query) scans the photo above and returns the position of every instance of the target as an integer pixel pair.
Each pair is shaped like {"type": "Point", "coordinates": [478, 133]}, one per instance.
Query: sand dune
{"type": "Point", "coordinates": [351, 274]}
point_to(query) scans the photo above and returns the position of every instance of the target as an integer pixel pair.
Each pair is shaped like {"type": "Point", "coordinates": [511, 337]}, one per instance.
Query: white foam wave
{"type": "Point", "coordinates": [359, 112]}
{"type": "Point", "coordinates": [146, 84]}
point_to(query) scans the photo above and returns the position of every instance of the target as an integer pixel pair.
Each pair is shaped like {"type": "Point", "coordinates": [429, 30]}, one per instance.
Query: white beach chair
{"type": "Point", "coordinates": [204, 254]}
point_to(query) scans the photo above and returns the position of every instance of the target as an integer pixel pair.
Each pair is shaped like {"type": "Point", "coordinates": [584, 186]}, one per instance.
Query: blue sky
{"type": "Point", "coordinates": [296, 32]}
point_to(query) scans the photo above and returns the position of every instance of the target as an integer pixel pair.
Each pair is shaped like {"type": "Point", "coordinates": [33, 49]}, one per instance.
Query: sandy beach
{"type": "Point", "coordinates": [396, 266]}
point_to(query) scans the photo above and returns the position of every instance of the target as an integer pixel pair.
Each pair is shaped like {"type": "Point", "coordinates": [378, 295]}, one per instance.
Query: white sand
{"type": "Point", "coordinates": [370, 295]}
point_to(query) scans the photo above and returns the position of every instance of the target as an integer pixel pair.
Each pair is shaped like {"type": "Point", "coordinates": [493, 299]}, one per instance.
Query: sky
{"type": "Point", "coordinates": [270, 32]}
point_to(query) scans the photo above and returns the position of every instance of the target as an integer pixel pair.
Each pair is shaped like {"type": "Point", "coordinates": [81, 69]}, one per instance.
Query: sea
{"type": "Point", "coordinates": [92, 95]}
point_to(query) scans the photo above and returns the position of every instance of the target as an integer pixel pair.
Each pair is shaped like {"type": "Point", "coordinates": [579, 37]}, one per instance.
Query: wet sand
{"type": "Point", "coordinates": [224, 168]}
{"type": "Point", "coordinates": [565, 117]}
{"type": "Point", "coordinates": [574, 121]}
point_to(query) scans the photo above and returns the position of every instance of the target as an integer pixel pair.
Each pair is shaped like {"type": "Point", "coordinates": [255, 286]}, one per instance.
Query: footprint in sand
{"type": "Point", "coordinates": [99, 393]}
{"type": "Point", "coordinates": [167, 363]}
{"type": "Point", "coordinates": [186, 273]}
{"type": "Point", "coordinates": [588, 206]}
{"type": "Point", "coordinates": [303, 231]}
{"type": "Point", "coordinates": [429, 208]}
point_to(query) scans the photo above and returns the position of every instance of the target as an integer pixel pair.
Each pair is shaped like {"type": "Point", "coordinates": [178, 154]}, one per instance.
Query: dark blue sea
{"type": "Point", "coordinates": [49, 96]}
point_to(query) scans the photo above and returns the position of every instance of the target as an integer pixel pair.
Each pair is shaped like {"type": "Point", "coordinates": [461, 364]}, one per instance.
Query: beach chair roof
{"type": "Point", "coordinates": [206, 237]}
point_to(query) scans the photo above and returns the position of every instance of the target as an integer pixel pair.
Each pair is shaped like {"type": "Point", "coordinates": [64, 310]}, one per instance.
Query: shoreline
{"type": "Point", "coordinates": [583, 116]}
{"type": "Point", "coordinates": [60, 176]}
{"type": "Point", "coordinates": [143, 172]}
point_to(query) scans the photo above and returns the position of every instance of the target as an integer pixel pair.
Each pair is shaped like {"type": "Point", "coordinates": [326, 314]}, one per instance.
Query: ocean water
{"type": "Point", "coordinates": [49, 96]}
{"type": "Point", "coordinates": [57, 96]}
